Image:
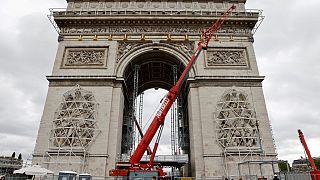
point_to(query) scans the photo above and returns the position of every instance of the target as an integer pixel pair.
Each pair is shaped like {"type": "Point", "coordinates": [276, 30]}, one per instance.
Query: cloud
{"type": "Point", "coordinates": [286, 45]}
{"type": "Point", "coordinates": [27, 49]}
{"type": "Point", "coordinates": [151, 103]}
{"type": "Point", "coordinates": [286, 49]}
{"type": "Point", "coordinates": [19, 120]}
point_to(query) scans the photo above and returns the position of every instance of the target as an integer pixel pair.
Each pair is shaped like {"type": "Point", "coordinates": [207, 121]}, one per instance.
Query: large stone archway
{"type": "Point", "coordinates": [101, 42]}
{"type": "Point", "coordinates": [131, 50]}
{"type": "Point", "coordinates": [154, 66]}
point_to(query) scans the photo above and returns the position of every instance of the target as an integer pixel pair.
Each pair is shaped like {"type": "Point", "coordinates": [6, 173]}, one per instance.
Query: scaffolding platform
{"type": "Point", "coordinates": [165, 160]}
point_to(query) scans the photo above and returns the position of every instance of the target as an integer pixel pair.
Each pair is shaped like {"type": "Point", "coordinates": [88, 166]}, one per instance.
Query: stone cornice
{"type": "Point", "coordinates": [120, 21]}
{"type": "Point", "coordinates": [85, 81]}
{"type": "Point", "coordinates": [70, 22]}
{"type": "Point", "coordinates": [226, 81]}
{"type": "Point", "coordinates": [247, 78]}
{"type": "Point", "coordinates": [65, 19]}
{"type": "Point", "coordinates": [215, 1]}
{"type": "Point", "coordinates": [80, 77]}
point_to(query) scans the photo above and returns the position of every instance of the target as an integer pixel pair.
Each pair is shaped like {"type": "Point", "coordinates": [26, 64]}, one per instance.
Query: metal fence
{"type": "Point", "coordinates": [296, 176]}
{"type": "Point", "coordinates": [282, 176]}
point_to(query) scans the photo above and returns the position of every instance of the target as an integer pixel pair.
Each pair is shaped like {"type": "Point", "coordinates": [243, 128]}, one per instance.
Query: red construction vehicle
{"type": "Point", "coordinates": [134, 168]}
{"type": "Point", "coordinates": [315, 173]}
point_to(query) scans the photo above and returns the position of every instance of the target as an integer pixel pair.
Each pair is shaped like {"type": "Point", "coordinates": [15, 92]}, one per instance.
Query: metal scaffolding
{"type": "Point", "coordinates": [238, 130]}
{"type": "Point", "coordinates": [134, 103]}
{"type": "Point", "coordinates": [130, 137]}
{"type": "Point", "coordinates": [133, 117]}
{"type": "Point", "coordinates": [140, 113]}
{"type": "Point", "coordinates": [74, 128]}
{"type": "Point", "coordinates": [183, 126]}
{"type": "Point", "coordinates": [174, 118]}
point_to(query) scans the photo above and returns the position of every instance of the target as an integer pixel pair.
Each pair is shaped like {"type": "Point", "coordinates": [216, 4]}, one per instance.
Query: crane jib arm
{"type": "Point", "coordinates": [315, 173]}
{"type": "Point", "coordinates": [162, 112]}
{"type": "Point", "coordinates": [171, 96]}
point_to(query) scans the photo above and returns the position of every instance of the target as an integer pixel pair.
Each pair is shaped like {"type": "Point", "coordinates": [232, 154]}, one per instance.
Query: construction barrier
{"type": "Point", "coordinates": [281, 176]}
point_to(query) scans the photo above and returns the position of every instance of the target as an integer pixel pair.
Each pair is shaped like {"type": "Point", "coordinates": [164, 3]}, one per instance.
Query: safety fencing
{"type": "Point", "coordinates": [281, 176]}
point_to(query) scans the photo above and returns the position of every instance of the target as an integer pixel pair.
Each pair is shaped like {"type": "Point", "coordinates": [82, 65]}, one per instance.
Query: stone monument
{"type": "Point", "coordinates": [110, 51]}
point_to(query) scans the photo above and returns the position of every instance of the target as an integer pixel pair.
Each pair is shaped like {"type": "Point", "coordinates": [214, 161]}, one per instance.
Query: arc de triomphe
{"type": "Point", "coordinates": [111, 49]}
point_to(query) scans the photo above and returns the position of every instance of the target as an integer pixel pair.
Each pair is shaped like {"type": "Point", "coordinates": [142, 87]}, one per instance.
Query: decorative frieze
{"type": "Point", "coordinates": [226, 57]}
{"type": "Point", "coordinates": [150, 29]}
{"type": "Point", "coordinates": [85, 57]}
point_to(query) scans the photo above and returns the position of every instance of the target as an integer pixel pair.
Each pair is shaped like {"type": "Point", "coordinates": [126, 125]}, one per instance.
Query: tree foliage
{"type": "Point", "coordinates": [13, 155]}
{"type": "Point", "coordinates": [317, 162]}
{"type": "Point", "coordinates": [283, 166]}
{"type": "Point", "coordinates": [20, 156]}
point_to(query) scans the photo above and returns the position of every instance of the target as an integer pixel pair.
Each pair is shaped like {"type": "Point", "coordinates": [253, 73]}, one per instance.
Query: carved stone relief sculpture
{"type": "Point", "coordinates": [236, 121]}
{"type": "Point", "coordinates": [74, 124]}
{"type": "Point", "coordinates": [150, 29]}
{"type": "Point", "coordinates": [85, 57]}
{"type": "Point", "coordinates": [226, 57]}
{"type": "Point", "coordinates": [186, 47]}
{"type": "Point", "coordinates": [125, 46]}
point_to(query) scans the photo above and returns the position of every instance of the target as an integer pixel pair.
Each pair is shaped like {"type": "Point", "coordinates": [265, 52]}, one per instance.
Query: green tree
{"type": "Point", "coordinates": [13, 155]}
{"type": "Point", "coordinates": [20, 156]}
{"type": "Point", "coordinates": [283, 166]}
{"type": "Point", "coordinates": [317, 162]}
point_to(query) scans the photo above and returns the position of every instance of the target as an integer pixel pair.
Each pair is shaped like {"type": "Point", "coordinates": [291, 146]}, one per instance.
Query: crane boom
{"type": "Point", "coordinates": [173, 93]}
{"type": "Point", "coordinates": [158, 121]}
{"type": "Point", "coordinates": [315, 173]}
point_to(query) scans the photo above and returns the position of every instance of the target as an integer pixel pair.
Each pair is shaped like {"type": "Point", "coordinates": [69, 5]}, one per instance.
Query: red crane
{"type": "Point", "coordinates": [134, 167]}
{"type": "Point", "coordinates": [315, 173]}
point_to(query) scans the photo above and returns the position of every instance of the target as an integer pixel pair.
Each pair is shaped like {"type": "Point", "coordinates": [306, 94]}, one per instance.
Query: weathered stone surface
{"type": "Point", "coordinates": [85, 57]}
{"type": "Point", "coordinates": [226, 57]}
{"type": "Point", "coordinates": [99, 65]}
{"type": "Point", "coordinates": [181, 5]}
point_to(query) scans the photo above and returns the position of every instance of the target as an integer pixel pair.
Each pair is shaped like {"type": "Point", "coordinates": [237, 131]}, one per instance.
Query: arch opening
{"type": "Point", "coordinates": [154, 70]}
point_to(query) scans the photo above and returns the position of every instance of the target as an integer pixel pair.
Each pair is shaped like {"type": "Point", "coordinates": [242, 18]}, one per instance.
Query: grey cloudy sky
{"type": "Point", "coordinates": [286, 44]}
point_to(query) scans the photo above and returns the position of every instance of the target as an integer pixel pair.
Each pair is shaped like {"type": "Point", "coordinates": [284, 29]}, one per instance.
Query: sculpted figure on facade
{"type": "Point", "coordinates": [125, 47]}
{"type": "Point", "coordinates": [185, 47]}
{"type": "Point", "coordinates": [236, 120]}
{"type": "Point", "coordinates": [74, 124]}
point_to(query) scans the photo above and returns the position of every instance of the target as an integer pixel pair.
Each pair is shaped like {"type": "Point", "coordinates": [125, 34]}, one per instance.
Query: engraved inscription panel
{"type": "Point", "coordinates": [85, 57]}
{"type": "Point", "coordinates": [226, 57]}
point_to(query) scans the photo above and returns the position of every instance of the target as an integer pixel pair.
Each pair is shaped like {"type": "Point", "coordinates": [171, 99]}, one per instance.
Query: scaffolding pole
{"type": "Point", "coordinates": [134, 103]}
{"type": "Point", "coordinates": [174, 118]}
{"type": "Point", "coordinates": [140, 113]}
